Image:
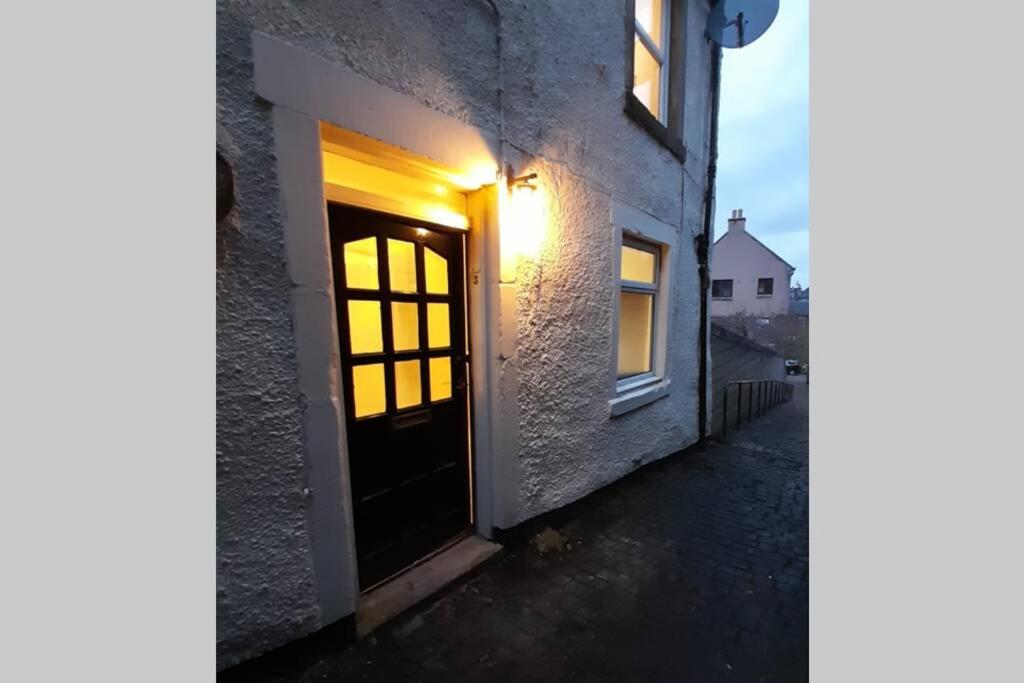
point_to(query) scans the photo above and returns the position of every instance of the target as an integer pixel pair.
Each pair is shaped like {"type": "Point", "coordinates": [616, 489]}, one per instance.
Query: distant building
{"type": "Point", "coordinates": [748, 278]}
{"type": "Point", "coordinates": [800, 309]}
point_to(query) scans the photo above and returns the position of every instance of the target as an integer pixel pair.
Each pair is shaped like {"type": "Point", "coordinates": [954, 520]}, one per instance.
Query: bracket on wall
{"type": "Point", "coordinates": [519, 181]}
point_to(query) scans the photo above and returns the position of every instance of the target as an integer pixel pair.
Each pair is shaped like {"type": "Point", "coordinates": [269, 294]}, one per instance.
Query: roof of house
{"type": "Point", "coordinates": [763, 246]}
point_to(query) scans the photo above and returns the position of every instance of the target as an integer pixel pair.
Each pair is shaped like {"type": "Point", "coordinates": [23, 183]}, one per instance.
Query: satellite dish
{"type": "Point", "coordinates": [735, 23]}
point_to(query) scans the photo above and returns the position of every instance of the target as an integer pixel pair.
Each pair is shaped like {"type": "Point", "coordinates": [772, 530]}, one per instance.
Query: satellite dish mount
{"type": "Point", "coordinates": [737, 23]}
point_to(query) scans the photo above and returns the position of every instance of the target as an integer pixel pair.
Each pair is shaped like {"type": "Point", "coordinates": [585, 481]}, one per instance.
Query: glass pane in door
{"type": "Point", "coordinates": [402, 265]}
{"type": "Point", "coordinates": [438, 331]}
{"type": "Point", "coordinates": [436, 267]}
{"type": "Point", "coordinates": [405, 323]}
{"type": "Point", "coordinates": [440, 378]}
{"type": "Point", "coordinates": [361, 264]}
{"type": "Point", "coordinates": [407, 384]}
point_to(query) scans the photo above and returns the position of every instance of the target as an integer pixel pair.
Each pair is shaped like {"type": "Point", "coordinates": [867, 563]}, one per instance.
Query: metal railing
{"type": "Point", "coordinates": [762, 395]}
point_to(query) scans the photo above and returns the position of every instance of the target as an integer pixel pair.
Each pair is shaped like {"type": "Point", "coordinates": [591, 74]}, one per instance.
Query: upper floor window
{"type": "Point", "coordinates": [650, 55]}
{"type": "Point", "coordinates": [721, 289]}
{"type": "Point", "coordinates": [654, 75]}
{"type": "Point", "coordinates": [765, 286]}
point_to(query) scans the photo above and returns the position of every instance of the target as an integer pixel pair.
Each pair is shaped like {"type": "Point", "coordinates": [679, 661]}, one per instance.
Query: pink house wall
{"type": "Point", "coordinates": [740, 257]}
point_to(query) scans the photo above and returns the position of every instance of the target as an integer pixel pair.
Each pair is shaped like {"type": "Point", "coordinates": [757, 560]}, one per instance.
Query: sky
{"type": "Point", "coordinates": [762, 138]}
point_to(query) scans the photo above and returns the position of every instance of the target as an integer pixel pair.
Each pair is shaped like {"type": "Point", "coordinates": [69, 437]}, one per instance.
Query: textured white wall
{"type": "Point", "coordinates": [563, 72]}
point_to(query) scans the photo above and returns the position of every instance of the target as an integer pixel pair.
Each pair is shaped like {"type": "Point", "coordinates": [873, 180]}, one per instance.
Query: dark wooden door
{"type": "Point", "coordinates": [402, 330]}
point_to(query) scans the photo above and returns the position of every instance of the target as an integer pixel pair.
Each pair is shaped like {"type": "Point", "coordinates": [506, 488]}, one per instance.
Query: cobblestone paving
{"type": "Point", "coordinates": [692, 569]}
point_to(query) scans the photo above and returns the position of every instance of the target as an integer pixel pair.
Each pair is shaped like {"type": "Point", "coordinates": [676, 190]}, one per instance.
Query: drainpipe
{"type": "Point", "coordinates": [501, 84]}
{"type": "Point", "coordinates": [704, 240]}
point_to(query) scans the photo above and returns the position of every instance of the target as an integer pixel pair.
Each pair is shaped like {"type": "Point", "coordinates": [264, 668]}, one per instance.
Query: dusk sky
{"type": "Point", "coordinates": [762, 145]}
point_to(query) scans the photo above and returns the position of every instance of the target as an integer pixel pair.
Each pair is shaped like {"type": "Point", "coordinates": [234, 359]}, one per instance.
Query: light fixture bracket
{"type": "Point", "coordinates": [519, 181]}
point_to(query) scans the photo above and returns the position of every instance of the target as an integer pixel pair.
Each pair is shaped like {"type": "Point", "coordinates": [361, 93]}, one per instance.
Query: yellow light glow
{"type": "Point", "coordinates": [364, 326]}
{"type": "Point", "coordinates": [359, 183]}
{"type": "Point", "coordinates": [523, 225]}
{"type": "Point", "coordinates": [637, 265]}
{"type": "Point", "coordinates": [438, 328]}
{"type": "Point", "coordinates": [368, 389]}
{"type": "Point", "coordinates": [407, 384]}
{"type": "Point", "coordinates": [405, 325]}
{"type": "Point", "coordinates": [440, 378]}
{"type": "Point", "coordinates": [436, 267]}
{"type": "Point", "coordinates": [361, 264]}
{"type": "Point", "coordinates": [402, 265]}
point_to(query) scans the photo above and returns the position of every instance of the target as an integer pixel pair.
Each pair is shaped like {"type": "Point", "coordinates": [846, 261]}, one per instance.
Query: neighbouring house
{"type": "Point", "coordinates": [748, 278]}
{"type": "Point", "coordinates": [457, 282]}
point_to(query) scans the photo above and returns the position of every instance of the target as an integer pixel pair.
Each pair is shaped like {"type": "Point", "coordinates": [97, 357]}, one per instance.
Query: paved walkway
{"type": "Point", "coordinates": [693, 569]}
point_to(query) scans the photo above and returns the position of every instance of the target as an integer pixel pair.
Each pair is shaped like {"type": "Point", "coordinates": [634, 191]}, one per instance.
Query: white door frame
{"type": "Point", "coordinates": [304, 90]}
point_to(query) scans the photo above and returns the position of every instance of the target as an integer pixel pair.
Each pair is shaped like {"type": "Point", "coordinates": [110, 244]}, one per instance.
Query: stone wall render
{"type": "Point", "coordinates": [563, 74]}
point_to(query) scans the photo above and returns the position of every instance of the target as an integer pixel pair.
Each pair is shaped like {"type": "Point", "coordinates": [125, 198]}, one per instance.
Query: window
{"type": "Point", "coordinates": [721, 289]}
{"type": "Point", "coordinates": [638, 369]}
{"type": "Point", "coordinates": [763, 322]}
{"type": "Point", "coordinates": [765, 286]}
{"type": "Point", "coordinates": [638, 291]}
{"type": "Point", "coordinates": [654, 78]}
{"type": "Point", "coordinates": [650, 51]}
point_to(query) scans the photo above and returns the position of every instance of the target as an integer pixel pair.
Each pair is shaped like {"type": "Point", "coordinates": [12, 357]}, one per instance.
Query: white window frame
{"type": "Point", "coordinates": [640, 379]}
{"type": "Point", "coordinates": [634, 227]}
{"type": "Point", "coordinates": [659, 55]}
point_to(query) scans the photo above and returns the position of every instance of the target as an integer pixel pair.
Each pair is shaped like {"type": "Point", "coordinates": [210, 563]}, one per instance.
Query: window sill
{"type": "Point", "coordinates": [637, 398]}
{"type": "Point", "coordinates": [649, 122]}
{"type": "Point", "coordinates": [765, 296]}
{"type": "Point", "coordinates": [721, 298]}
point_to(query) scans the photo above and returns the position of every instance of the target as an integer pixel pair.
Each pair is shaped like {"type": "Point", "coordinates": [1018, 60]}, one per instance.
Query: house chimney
{"type": "Point", "coordinates": [737, 222]}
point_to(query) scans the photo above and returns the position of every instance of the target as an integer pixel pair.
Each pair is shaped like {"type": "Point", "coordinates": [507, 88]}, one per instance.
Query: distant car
{"type": "Point", "coordinates": [792, 367]}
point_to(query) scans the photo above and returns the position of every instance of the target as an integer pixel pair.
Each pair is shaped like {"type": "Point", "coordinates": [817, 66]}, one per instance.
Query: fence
{"type": "Point", "coordinates": [761, 396]}
{"type": "Point", "coordinates": [736, 359]}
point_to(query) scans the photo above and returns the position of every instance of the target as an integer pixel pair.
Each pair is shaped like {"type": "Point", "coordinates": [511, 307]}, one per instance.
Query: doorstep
{"type": "Point", "coordinates": [394, 597]}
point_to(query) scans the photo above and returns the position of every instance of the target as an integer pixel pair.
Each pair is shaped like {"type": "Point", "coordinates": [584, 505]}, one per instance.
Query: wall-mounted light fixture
{"type": "Point", "coordinates": [523, 221]}
{"type": "Point", "coordinates": [524, 181]}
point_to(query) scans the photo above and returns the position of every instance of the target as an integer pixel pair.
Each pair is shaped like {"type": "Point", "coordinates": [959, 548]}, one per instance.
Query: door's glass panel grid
{"type": "Point", "coordinates": [408, 391]}
{"type": "Point", "coordinates": [405, 325]}
{"type": "Point", "coordinates": [402, 265]}
{"type": "Point", "coordinates": [368, 389]}
{"type": "Point", "coordinates": [440, 378]}
{"type": "Point", "coordinates": [436, 267]}
{"type": "Point", "coordinates": [364, 326]}
{"type": "Point", "coordinates": [361, 264]}
{"type": "Point", "coordinates": [438, 327]}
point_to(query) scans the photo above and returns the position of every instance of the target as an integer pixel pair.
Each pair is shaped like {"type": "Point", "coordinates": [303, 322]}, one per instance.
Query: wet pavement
{"type": "Point", "coordinates": [694, 568]}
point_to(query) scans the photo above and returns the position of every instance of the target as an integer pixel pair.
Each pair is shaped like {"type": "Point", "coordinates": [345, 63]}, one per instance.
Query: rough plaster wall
{"type": "Point", "coordinates": [443, 54]}
{"type": "Point", "coordinates": [563, 66]}
{"type": "Point", "coordinates": [574, 133]}
{"type": "Point", "coordinates": [266, 591]}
